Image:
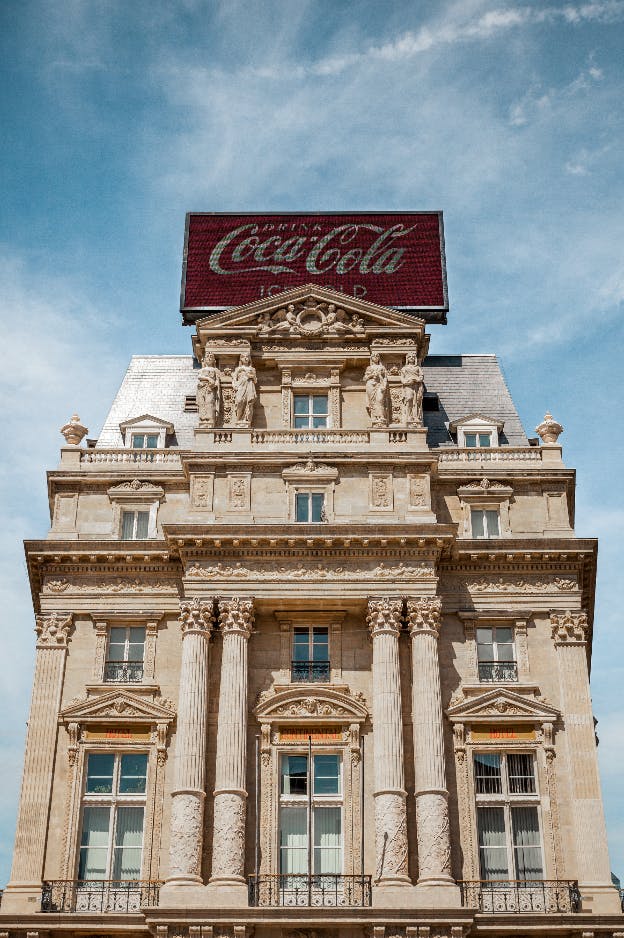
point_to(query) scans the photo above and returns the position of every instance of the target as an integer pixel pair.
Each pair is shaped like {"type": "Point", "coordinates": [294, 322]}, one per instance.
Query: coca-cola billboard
{"type": "Point", "coordinates": [395, 259]}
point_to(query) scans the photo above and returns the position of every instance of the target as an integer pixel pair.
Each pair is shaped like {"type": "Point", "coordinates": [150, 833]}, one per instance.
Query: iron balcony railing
{"type": "Point", "coordinates": [494, 671]}
{"type": "Point", "coordinates": [319, 889]}
{"type": "Point", "coordinates": [123, 672]}
{"type": "Point", "coordinates": [535, 895]}
{"type": "Point", "coordinates": [99, 895]}
{"type": "Point", "coordinates": [309, 672]}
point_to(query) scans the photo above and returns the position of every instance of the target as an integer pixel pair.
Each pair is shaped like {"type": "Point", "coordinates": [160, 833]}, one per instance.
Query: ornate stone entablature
{"type": "Point", "coordinates": [316, 704]}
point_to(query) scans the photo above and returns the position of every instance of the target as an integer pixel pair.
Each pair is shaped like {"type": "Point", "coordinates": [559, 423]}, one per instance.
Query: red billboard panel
{"type": "Point", "coordinates": [394, 259]}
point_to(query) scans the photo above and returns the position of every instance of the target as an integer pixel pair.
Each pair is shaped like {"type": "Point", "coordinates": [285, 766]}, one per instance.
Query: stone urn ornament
{"type": "Point", "coordinates": [74, 431]}
{"type": "Point", "coordinates": [549, 430]}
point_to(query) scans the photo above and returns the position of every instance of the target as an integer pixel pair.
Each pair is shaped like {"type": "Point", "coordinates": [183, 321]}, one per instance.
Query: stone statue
{"type": "Point", "coordinates": [412, 378]}
{"type": "Point", "coordinates": [377, 395]}
{"type": "Point", "coordinates": [209, 391]}
{"type": "Point", "coordinates": [244, 387]}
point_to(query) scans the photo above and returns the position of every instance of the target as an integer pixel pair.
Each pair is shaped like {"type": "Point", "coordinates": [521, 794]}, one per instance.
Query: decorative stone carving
{"type": "Point", "coordinates": [107, 585]}
{"type": "Point", "coordinates": [423, 614]}
{"type": "Point", "coordinates": [244, 387]}
{"type": "Point", "coordinates": [384, 615]}
{"type": "Point", "coordinates": [53, 629]}
{"type": "Point", "coordinates": [73, 431]}
{"type": "Point", "coordinates": [412, 380]}
{"type": "Point", "coordinates": [390, 836]}
{"type": "Point", "coordinates": [381, 491]}
{"type": "Point", "coordinates": [417, 491]}
{"type": "Point", "coordinates": [549, 430]}
{"type": "Point", "coordinates": [311, 319]}
{"type": "Point", "coordinates": [503, 584]}
{"type": "Point", "coordinates": [569, 628]}
{"type": "Point", "coordinates": [187, 820]}
{"type": "Point", "coordinates": [229, 833]}
{"type": "Point", "coordinates": [196, 615]}
{"type": "Point", "coordinates": [136, 487]}
{"type": "Point", "coordinates": [382, 571]}
{"type": "Point", "coordinates": [377, 396]}
{"type": "Point", "coordinates": [239, 492]}
{"type": "Point", "coordinates": [209, 391]}
{"type": "Point", "coordinates": [73, 730]}
{"type": "Point", "coordinates": [432, 823]}
{"type": "Point", "coordinates": [236, 615]}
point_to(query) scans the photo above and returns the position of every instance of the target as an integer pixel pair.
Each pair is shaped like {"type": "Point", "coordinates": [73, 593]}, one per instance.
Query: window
{"type": "Point", "coordinates": [477, 439]}
{"type": "Point", "coordinates": [310, 411]}
{"type": "Point", "coordinates": [310, 507]}
{"type": "Point", "coordinates": [310, 807]}
{"type": "Point", "coordinates": [125, 653]}
{"type": "Point", "coordinates": [134, 525]}
{"type": "Point", "coordinates": [144, 440]}
{"type": "Point", "coordinates": [310, 654]}
{"type": "Point", "coordinates": [111, 840]}
{"type": "Point", "coordinates": [496, 654]}
{"type": "Point", "coordinates": [485, 522]}
{"type": "Point", "coordinates": [507, 816]}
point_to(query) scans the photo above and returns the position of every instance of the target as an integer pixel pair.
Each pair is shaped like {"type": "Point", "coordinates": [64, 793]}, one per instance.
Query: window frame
{"type": "Point", "coordinates": [125, 660]}
{"type": "Point", "coordinates": [310, 395]}
{"type": "Point", "coordinates": [301, 627]}
{"type": "Point", "coordinates": [146, 435]}
{"type": "Point", "coordinates": [136, 512]}
{"type": "Point", "coordinates": [485, 511]}
{"type": "Point", "coordinates": [496, 659]}
{"type": "Point", "coordinates": [309, 494]}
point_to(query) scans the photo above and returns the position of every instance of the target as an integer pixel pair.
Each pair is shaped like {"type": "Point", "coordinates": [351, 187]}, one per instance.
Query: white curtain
{"type": "Point", "coordinates": [492, 843]}
{"type": "Point", "coordinates": [327, 840]}
{"type": "Point", "coordinates": [294, 840]}
{"type": "Point", "coordinates": [526, 835]}
{"type": "Point", "coordinates": [94, 843]}
{"type": "Point", "coordinates": [128, 844]}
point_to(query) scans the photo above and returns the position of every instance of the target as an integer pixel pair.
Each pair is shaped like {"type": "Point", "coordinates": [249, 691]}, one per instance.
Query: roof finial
{"type": "Point", "coordinates": [549, 430]}
{"type": "Point", "coordinates": [74, 431]}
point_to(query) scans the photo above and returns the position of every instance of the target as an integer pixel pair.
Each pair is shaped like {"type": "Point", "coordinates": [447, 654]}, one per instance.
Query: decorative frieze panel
{"type": "Point", "coordinates": [380, 491]}
{"type": "Point", "coordinates": [569, 628]}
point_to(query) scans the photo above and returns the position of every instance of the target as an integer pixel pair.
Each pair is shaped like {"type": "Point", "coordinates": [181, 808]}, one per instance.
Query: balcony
{"type": "Point", "coordinates": [537, 895]}
{"type": "Point", "coordinates": [123, 672]}
{"type": "Point", "coordinates": [494, 672]}
{"type": "Point", "coordinates": [101, 895]}
{"type": "Point", "coordinates": [309, 672]}
{"type": "Point", "coordinates": [327, 890]}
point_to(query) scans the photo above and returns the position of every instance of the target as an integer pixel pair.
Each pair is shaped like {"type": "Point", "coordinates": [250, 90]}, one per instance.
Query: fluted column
{"type": "Point", "coordinates": [384, 622]}
{"type": "Point", "coordinates": [31, 833]}
{"type": "Point", "coordinates": [228, 845]}
{"type": "Point", "coordinates": [189, 763]}
{"type": "Point", "coordinates": [432, 817]}
{"type": "Point", "coordinates": [569, 633]}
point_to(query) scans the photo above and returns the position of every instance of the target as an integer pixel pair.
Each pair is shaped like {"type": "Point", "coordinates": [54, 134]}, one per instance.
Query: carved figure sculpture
{"type": "Point", "coordinates": [244, 387]}
{"type": "Point", "coordinates": [412, 379]}
{"type": "Point", "coordinates": [377, 396]}
{"type": "Point", "coordinates": [209, 392]}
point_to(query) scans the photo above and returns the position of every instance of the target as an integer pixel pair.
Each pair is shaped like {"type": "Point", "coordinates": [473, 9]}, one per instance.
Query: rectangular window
{"type": "Point", "coordinates": [144, 440]}
{"type": "Point", "coordinates": [111, 838]}
{"type": "Point", "coordinates": [134, 525]}
{"type": "Point", "coordinates": [310, 411]}
{"type": "Point", "coordinates": [125, 654]}
{"type": "Point", "coordinates": [310, 654]}
{"type": "Point", "coordinates": [310, 507]}
{"type": "Point", "coordinates": [478, 439]}
{"type": "Point", "coordinates": [484, 522]}
{"type": "Point", "coordinates": [496, 654]}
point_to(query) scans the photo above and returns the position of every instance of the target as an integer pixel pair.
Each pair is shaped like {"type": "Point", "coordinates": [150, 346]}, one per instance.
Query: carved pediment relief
{"type": "Point", "coordinates": [502, 704]}
{"type": "Point", "coordinates": [297, 703]}
{"type": "Point", "coordinates": [136, 489]}
{"type": "Point", "coordinates": [118, 706]}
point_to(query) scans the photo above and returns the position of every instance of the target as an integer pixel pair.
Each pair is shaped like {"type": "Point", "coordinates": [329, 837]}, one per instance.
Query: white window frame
{"type": "Point", "coordinates": [495, 653]}
{"type": "Point", "coordinates": [485, 495]}
{"type": "Point", "coordinates": [126, 659]}
{"type": "Point", "coordinates": [477, 424]}
{"type": "Point", "coordinates": [138, 496]}
{"type": "Point", "coordinates": [484, 511]}
{"type": "Point", "coordinates": [135, 523]}
{"type": "Point", "coordinates": [310, 479]}
{"type": "Point", "coordinates": [145, 425]}
{"type": "Point", "coordinates": [310, 415]}
{"type": "Point", "coordinates": [310, 630]}
{"type": "Point", "coordinates": [146, 434]}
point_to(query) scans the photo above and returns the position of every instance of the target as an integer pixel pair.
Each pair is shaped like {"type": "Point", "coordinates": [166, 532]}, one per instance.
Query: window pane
{"type": "Point", "coordinates": [484, 636]}
{"type": "Point", "coordinates": [521, 773]}
{"type": "Point", "coordinates": [302, 423]}
{"type": "Point", "coordinates": [100, 767]}
{"type": "Point", "coordinates": [492, 523]}
{"type": "Point", "coordinates": [127, 525]}
{"type": "Point", "coordinates": [138, 440]}
{"type": "Point", "coordinates": [152, 440]}
{"type": "Point", "coordinates": [326, 775]}
{"type": "Point", "coordinates": [492, 843]}
{"type": "Point", "coordinates": [294, 840]}
{"type": "Point", "coordinates": [302, 503]}
{"type": "Point", "coordinates": [320, 644]}
{"type": "Point", "coordinates": [319, 422]}
{"type": "Point", "coordinates": [526, 837]}
{"type": "Point", "coordinates": [137, 644]}
{"type": "Point", "coordinates": [470, 439]}
{"type": "Point", "coordinates": [133, 773]}
{"type": "Point", "coordinates": [301, 650]}
{"type": "Point", "coordinates": [327, 840]}
{"type": "Point", "coordinates": [94, 843]}
{"type": "Point", "coordinates": [301, 404]}
{"type": "Point", "coordinates": [319, 404]}
{"type": "Point", "coordinates": [484, 439]}
{"type": "Point", "coordinates": [476, 520]}
{"type": "Point", "coordinates": [504, 635]}
{"type": "Point", "coordinates": [142, 524]}
{"type": "Point", "coordinates": [318, 501]}
{"type": "Point", "coordinates": [128, 842]}
{"type": "Point", "coordinates": [487, 767]}
{"type": "Point", "coordinates": [117, 645]}
{"type": "Point", "coordinates": [294, 775]}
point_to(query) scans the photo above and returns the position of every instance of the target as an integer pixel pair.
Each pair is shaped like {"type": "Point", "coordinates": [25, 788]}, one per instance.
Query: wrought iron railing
{"type": "Point", "coordinates": [123, 672]}
{"type": "Point", "coordinates": [309, 671]}
{"type": "Point", "coordinates": [534, 895]}
{"type": "Point", "coordinates": [494, 671]}
{"type": "Point", "coordinates": [319, 889]}
{"type": "Point", "coordinates": [99, 895]}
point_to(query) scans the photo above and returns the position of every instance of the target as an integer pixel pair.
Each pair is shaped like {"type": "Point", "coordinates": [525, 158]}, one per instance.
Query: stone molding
{"type": "Point", "coordinates": [53, 629]}
{"type": "Point", "coordinates": [118, 707]}
{"type": "Point", "coordinates": [504, 705]}
{"type": "Point", "coordinates": [196, 615]}
{"type": "Point", "coordinates": [569, 628]}
{"type": "Point", "coordinates": [236, 615]}
{"type": "Point", "coordinates": [296, 702]}
{"type": "Point", "coordinates": [424, 615]}
{"type": "Point", "coordinates": [384, 615]}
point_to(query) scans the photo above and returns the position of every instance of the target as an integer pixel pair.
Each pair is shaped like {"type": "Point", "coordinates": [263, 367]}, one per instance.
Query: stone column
{"type": "Point", "coordinates": [24, 889]}
{"type": "Point", "coordinates": [435, 883]}
{"type": "Point", "coordinates": [384, 622]}
{"type": "Point", "coordinates": [189, 761]}
{"type": "Point", "coordinates": [569, 633]}
{"type": "Point", "coordinates": [228, 845]}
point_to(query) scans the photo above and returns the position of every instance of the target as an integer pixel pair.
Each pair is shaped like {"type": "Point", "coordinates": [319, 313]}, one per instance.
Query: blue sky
{"type": "Point", "coordinates": [119, 117]}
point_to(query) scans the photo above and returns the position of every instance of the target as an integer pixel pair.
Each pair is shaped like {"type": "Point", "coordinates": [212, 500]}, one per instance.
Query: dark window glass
{"type": "Point", "coordinates": [100, 767]}
{"type": "Point", "coordinates": [133, 773]}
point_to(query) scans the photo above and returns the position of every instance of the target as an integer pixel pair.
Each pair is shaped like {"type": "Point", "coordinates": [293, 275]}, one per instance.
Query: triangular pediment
{"type": "Point", "coordinates": [477, 420]}
{"type": "Point", "coordinates": [119, 707]}
{"type": "Point", "coordinates": [147, 420]}
{"type": "Point", "coordinates": [502, 704]}
{"type": "Point", "coordinates": [316, 704]}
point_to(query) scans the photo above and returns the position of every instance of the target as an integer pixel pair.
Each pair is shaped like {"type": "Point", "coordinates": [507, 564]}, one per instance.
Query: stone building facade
{"type": "Point", "coordinates": [313, 633]}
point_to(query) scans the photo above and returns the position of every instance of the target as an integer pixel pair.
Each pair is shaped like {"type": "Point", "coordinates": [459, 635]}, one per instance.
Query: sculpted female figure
{"type": "Point", "coordinates": [244, 387]}
{"type": "Point", "coordinates": [412, 378]}
{"type": "Point", "coordinates": [376, 378]}
{"type": "Point", "coordinates": [209, 392]}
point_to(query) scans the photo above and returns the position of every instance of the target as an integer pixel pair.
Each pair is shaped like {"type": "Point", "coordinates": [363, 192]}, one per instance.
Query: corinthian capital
{"type": "Point", "coordinates": [423, 615]}
{"type": "Point", "coordinates": [196, 615]}
{"type": "Point", "coordinates": [384, 615]}
{"type": "Point", "coordinates": [236, 615]}
{"type": "Point", "coordinates": [53, 629]}
{"type": "Point", "coordinates": [569, 628]}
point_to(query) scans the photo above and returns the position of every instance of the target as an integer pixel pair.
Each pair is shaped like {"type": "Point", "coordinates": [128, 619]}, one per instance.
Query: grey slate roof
{"type": "Point", "coordinates": [465, 384]}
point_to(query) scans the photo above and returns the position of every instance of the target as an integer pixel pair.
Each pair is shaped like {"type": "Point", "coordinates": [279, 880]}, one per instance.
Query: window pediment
{"type": "Point", "coordinates": [136, 491]}
{"type": "Point", "coordinates": [118, 707]}
{"type": "Point", "coordinates": [296, 703]}
{"type": "Point", "coordinates": [504, 705]}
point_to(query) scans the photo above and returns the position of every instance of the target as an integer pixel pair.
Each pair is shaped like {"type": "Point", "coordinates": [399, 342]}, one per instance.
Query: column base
{"type": "Point", "coordinates": [438, 894]}
{"type": "Point", "coordinates": [597, 899]}
{"type": "Point", "coordinates": [181, 894]}
{"type": "Point", "coordinates": [227, 894]}
{"type": "Point", "coordinates": [394, 894]}
{"type": "Point", "coordinates": [22, 897]}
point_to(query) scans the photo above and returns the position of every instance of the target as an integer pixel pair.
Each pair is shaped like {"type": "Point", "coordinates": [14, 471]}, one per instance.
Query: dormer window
{"type": "Point", "coordinates": [477, 431]}
{"type": "Point", "coordinates": [144, 441]}
{"type": "Point", "coordinates": [477, 439]}
{"type": "Point", "coordinates": [146, 432]}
